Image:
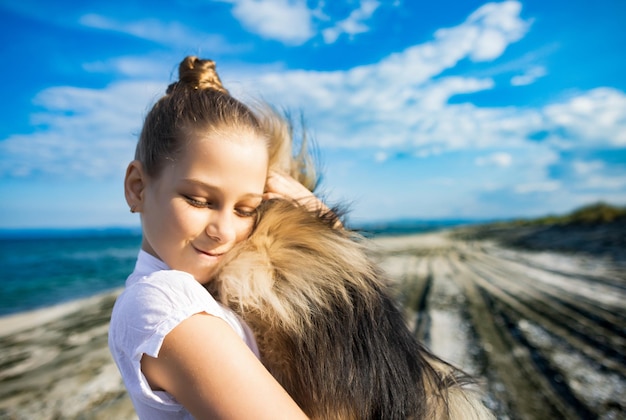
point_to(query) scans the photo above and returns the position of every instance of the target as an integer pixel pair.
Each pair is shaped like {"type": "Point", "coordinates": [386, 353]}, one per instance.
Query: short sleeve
{"type": "Point", "coordinates": [145, 313]}
{"type": "Point", "coordinates": [155, 306]}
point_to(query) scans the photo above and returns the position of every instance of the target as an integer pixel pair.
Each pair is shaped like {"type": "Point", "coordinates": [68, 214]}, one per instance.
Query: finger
{"type": "Point", "coordinates": [270, 196]}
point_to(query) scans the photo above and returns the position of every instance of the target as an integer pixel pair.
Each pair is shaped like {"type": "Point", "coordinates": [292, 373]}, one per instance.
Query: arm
{"type": "Point", "coordinates": [206, 366]}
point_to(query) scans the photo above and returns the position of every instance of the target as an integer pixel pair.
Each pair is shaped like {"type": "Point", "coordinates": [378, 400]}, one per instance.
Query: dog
{"type": "Point", "coordinates": [328, 327]}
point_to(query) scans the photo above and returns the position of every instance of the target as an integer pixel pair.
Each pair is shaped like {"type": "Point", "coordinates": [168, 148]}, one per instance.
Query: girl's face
{"type": "Point", "coordinates": [204, 203]}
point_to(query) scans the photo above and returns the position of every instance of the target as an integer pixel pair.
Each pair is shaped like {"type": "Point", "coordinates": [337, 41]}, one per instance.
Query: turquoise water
{"type": "Point", "coordinates": [39, 269]}
{"type": "Point", "coordinates": [43, 268]}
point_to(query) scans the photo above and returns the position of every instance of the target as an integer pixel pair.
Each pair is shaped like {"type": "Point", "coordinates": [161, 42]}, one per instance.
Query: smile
{"type": "Point", "coordinates": [208, 253]}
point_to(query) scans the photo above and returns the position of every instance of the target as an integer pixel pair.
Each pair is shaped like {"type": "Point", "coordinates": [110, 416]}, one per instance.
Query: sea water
{"type": "Point", "coordinates": [49, 267]}
{"type": "Point", "coordinates": [44, 268]}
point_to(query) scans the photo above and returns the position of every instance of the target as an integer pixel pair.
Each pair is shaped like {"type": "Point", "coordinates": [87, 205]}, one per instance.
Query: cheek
{"type": "Point", "coordinates": [182, 220]}
{"type": "Point", "coordinates": [244, 228]}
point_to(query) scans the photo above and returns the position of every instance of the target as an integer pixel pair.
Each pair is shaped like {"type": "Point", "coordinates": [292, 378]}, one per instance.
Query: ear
{"type": "Point", "coordinates": [134, 185]}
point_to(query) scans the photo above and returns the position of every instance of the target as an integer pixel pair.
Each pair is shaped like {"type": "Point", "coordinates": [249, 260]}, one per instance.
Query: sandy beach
{"type": "Point", "coordinates": [544, 331]}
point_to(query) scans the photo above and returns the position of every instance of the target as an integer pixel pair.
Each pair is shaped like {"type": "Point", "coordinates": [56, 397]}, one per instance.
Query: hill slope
{"type": "Point", "coordinates": [598, 229]}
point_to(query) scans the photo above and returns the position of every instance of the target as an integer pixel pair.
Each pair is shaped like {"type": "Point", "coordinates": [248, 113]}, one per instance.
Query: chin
{"type": "Point", "coordinates": [328, 327]}
{"type": "Point", "coordinates": [202, 272]}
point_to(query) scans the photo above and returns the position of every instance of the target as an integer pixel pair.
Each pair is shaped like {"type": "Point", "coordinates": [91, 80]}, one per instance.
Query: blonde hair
{"type": "Point", "coordinates": [327, 326]}
{"type": "Point", "coordinates": [199, 102]}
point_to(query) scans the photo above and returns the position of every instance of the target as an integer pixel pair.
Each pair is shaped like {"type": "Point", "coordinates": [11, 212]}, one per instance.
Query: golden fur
{"type": "Point", "coordinates": [327, 326]}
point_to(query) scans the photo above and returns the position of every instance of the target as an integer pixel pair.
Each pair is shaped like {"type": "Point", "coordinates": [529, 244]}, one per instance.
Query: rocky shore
{"type": "Point", "coordinates": [544, 331]}
{"type": "Point", "coordinates": [55, 364]}
{"type": "Point", "coordinates": [603, 240]}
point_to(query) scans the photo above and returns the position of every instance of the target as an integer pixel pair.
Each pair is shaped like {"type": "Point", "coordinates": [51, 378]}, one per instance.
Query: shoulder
{"type": "Point", "coordinates": [167, 290]}
{"type": "Point", "coordinates": [155, 304]}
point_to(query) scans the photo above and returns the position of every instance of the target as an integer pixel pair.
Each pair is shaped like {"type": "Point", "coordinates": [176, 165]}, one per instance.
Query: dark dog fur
{"type": "Point", "coordinates": [327, 326]}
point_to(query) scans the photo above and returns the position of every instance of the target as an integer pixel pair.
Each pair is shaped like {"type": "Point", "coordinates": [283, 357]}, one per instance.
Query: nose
{"type": "Point", "coordinates": [221, 227]}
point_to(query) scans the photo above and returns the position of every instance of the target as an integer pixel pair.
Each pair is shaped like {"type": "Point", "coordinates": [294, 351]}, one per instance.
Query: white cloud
{"type": "Point", "coordinates": [166, 33]}
{"type": "Point", "coordinates": [147, 29]}
{"type": "Point", "coordinates": [538, 187]}
{"type": "Point", "coordinates": [529, 76]}
{"type": "Point", "coordinates": [401, 103]}
{"type": "Point", "coordinates": [396, 103]}
{"type": "Point", "coordinates": [82, 132]}
{"type": "Point", "coordinates": [288, 21]}
{"type": "Point", "coordinates": [488, 31]}
{"type": "Point", "coordinates": [527, 169]}
{"type": "Point", "coordinates": [596, 117]}
{"type": "Point", "coordinates": [400, 91]}
{"type": "Point", "coordinates": [587, 167]}
{"type": "Point", "coordinates": [381, 156]}
{"type": "Point", "coordinates": [605, 182]}
{"type": "Point", "coordinates": [293, 22]}
{"type": "Point", "coordinates": [500, 159]}
{"type": "Point", "coordinates": [353, 24]}
{"type": "Point", "coordinates": [597, 176]}
{"type": "Point", "coordinates": [153, 67]}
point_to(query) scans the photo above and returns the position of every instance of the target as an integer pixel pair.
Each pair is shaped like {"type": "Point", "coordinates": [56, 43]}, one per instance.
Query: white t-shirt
{"type": "Point", "coordinates": [156, 299]}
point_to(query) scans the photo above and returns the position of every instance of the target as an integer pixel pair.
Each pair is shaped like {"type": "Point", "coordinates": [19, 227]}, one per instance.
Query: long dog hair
{"type": "Point", "coordinates": [327, 326]}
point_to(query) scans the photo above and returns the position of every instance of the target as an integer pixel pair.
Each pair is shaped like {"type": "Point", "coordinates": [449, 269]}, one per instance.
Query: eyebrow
{"type": "Point", "coordinates": [213, 187]}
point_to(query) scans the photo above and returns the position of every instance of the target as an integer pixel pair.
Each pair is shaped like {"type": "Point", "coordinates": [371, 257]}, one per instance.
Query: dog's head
{"type": "Point", "coordinates": [293, 262]}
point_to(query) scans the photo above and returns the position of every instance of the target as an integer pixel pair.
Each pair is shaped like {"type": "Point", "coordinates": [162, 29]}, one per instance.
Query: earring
{"type": "Point", "coordinates": [133, 207]}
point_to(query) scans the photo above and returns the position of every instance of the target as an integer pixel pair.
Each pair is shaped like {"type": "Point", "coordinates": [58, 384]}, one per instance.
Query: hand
{"type": "Point", "coordinates": [281, 185]}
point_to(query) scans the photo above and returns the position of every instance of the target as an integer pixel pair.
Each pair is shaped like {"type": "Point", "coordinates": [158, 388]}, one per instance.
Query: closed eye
{"type": "Point", "coordinates": [198, 203]}
{"type": "Point", "coordinates": [245, 212]}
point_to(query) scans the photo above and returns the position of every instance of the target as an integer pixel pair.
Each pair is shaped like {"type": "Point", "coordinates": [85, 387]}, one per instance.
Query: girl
{"type": "Point", "coordinates": [199, 174]}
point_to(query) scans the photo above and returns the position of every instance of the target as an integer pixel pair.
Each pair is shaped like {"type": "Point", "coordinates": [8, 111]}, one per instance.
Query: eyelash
{"type": "Point", "coordinates": [197, 203]}
{"type": "Point", "coordinates": [244, 213]}
{"type": "Point", "coordinates": [208, 204]}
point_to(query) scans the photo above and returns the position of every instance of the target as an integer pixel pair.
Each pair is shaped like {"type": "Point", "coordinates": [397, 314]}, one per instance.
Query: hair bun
{"type": "Point", "coordinates": [196, 73]}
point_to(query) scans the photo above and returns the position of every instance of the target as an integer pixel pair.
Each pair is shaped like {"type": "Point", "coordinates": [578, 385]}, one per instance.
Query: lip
{"type": "Point", "coordinates": [210, 254]}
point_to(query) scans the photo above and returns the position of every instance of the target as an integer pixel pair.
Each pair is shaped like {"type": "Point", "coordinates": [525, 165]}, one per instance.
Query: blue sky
{"type": "Point", "coordinates": [420, 109]}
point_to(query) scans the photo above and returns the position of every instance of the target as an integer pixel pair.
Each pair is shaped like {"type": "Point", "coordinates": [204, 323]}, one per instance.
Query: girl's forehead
{"type": "Point", "coordinates": [222, 151]}
{"type": "Point", "coordinates": [224, 133]}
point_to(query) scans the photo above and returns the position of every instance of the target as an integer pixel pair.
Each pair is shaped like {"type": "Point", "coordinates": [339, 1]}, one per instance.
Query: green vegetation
{"type": "Point", "coordinates": [592, 214]}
